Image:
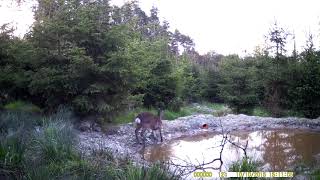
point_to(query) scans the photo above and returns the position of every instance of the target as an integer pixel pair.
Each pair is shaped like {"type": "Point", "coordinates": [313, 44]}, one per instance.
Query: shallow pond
{"type": "Point", "coordinates": [277, 150]}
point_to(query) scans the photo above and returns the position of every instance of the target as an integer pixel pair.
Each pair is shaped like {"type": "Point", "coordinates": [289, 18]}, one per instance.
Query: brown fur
{"type": "Point", "coordinates": [148, 121]}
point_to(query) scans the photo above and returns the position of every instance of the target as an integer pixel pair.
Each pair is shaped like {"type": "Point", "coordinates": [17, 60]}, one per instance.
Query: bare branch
{"type": "Point", "coordinates": [188, 167]}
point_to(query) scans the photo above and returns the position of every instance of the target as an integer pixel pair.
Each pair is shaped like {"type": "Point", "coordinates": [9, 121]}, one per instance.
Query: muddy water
{"type": "Point", "coordinates": [277, 150]}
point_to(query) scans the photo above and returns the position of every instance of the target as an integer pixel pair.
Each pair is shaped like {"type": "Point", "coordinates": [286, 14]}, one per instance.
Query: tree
{"type": "Point", "coordinates": [162, 88]}
{"type": "Point", "coordinates": [77, 63]}
{"type": "Point", "coordinates": [304, 90]}
{"type": "Point", "coordinates": [278, 38]}
{"type": "Point", "coordinates": [237, 85]}
{"type": "Point", "coordinates": [276, 75]}
{"type": "Point", "coordinates": [16, 66]}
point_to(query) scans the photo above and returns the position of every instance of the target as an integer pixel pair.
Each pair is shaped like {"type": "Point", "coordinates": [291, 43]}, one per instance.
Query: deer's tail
{"type": "Point", "coordinates": [137, 120]}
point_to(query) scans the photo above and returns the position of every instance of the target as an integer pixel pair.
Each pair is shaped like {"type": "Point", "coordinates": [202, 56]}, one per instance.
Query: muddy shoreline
{"type": "Point", "coordinates": [121, 140]}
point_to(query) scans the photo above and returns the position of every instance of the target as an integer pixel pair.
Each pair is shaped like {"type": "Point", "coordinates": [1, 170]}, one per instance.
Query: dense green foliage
{"type": "Point", "coordinates": [104, 60]}
{"type": "Point", "coordinates": [237, 86]}
{"type": "Point", "coordinates": [92, 57]}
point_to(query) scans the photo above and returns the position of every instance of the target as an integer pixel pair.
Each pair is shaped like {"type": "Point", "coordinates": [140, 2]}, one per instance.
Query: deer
{"type": "Point", "coordinates": [147, 120]}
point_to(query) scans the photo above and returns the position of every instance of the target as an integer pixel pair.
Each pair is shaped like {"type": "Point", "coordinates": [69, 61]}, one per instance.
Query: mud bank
{"type": "Point", "coordinates": [121, 139]}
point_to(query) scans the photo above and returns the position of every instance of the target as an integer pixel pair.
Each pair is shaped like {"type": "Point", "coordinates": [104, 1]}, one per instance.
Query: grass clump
{"type": "Point", "coordinates": [155, 172]}
{"type": "Point", "coordinates": [244, 165]}
{"type": "Point", "coordinates": [260, 111]}
{"type": "Point", "coordinates": [215, 106]}
{"type": "Point", "coordinates": [53, 143]}
{"type": "Point", "coordinates": [184, 111]}
{"type": "Point", "coordinates": [22, 107]}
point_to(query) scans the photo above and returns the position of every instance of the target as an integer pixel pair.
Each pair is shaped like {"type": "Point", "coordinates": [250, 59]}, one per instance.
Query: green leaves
{"type": "Point", "coordinates": [236, 87]}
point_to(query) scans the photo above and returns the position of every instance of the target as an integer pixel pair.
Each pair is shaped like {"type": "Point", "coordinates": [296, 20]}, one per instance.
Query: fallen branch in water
{"type": "Point", "coordinates": [188, 167]}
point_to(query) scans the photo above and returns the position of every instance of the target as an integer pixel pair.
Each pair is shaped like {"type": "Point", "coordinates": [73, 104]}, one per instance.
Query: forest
{"type": "Point", "coordinates": [92, 59]}
{"type": "Point", "coordinates": [100, 60]}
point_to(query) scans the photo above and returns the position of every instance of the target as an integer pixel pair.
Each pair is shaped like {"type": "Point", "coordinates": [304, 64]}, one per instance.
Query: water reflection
{"type": "Point", "coordinates": [278, 150]}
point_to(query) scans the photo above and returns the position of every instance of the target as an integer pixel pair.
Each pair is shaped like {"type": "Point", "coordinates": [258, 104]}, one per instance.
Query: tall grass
{"type": "Point", "coordinates": [15, 130]}
{"type": "Point", "coordinates": [53, 143]}
{"type": "Point", "coordinates": [11, 158]}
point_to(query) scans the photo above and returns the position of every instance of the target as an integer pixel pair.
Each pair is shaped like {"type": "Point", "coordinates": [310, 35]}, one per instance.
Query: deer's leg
{"type": "Point", "coordinates": [142, 135]}
{"type": "Point", "coordinates": [154, 136]}
{"type": "Point", "coordinates": [136, 132]}
{"type": "Point", "coordinates": [160, 134]}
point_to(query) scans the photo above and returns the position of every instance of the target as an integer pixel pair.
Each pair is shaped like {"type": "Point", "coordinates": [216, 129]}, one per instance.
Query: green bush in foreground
{"type": "Point", "coordinates": [244, 165]}
{"type": "Point", "coordinates": [15, 130]}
